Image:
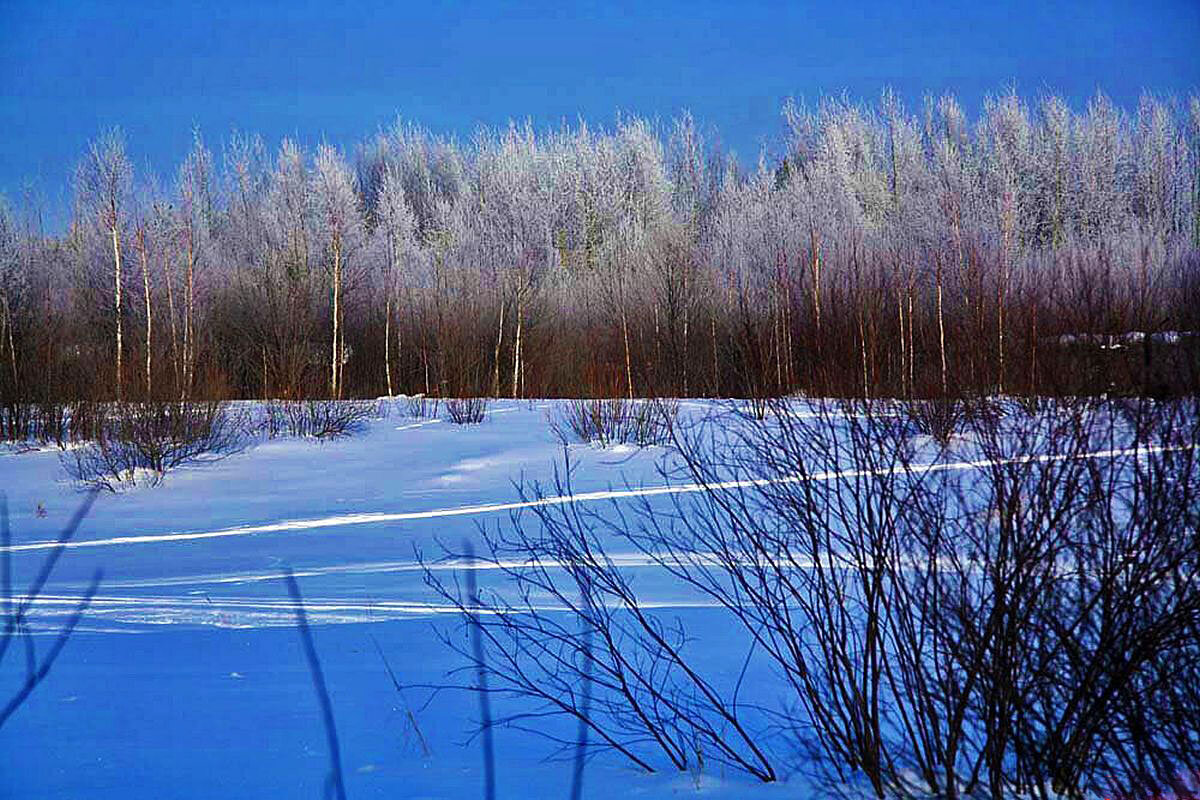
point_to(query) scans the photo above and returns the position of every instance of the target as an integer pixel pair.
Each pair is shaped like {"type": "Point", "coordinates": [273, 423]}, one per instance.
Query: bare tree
{"type": "Point", "coordinates": [195, 209]}
{"type": "Point", "coordinates": [398, 226]}
{"type": "Point", "coordinates": [103, 185]}
{"type": "Point", "coordinates": [881, 253]}
{"type": "Point", "coordinates": [335, 194]}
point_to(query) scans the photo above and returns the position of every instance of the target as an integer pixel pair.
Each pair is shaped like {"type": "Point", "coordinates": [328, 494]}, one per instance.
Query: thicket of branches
{"type": "Point", "coordinates": [138, 443]}
{"type": "Point", "coordinates": [1021, 623]}
{"type": "Point", "coordinates": [921, 253]}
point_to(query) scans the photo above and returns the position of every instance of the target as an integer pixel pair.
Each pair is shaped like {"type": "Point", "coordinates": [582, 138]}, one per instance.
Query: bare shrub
{"type": "Point", "coordinates": [14, 422]}
{"type": "Point", "coordinates": [88, 418]}
{"type": "Point", "coordinates": [607, 422]}
{"type": "Point", "coordinates": [999, 624]}
{"type": "Point", "coordinates": [50, 422]}
{"type": "Point", "coordinates": [1017, 616]}
{"type": "Point", "coordinates": [53, 422]}
{"type": "Point", "coordinates": [1032, 404]}
{"type": "Point", "coordinates": [274, 420]}
{"type": "Point", "coordinates": [624, 673]}
{"type": "Point", "coordinates": [141, 442]}
{"type": "Point", "coordinates": [466, 410]}
{"type": "Point", "coordinates": [35, 423]}
{"type": "Point", "coordinates": [938, 418]}
{"type": "Point", "coordinates": [422, 407]}
{"type": "Point", "coordinates": [1114, 673]}
{"type": "Point", "coordinates": [318, 419]}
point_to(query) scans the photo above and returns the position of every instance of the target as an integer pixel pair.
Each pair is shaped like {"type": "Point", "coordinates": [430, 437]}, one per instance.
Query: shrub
{"type": "Point", "coordinates": [938, 418]}
{"type": "Point", "coordinates": [621, 670]}
{"type": "Point", "coordinates": [1022, 624]}
{"type": "Point", "coordinates": [607, 422]}
{"type": "Point", "coordinates": [422, 407]}
{"type": "Point", "coordinates": [34, 423]}
{"type": "Point", "coordinates": [141, 442]}
{"type": "Point", "coordinates": [467, 410]}
{"type": "Point", "coordinates": [87, 420]}
{"type": "Point", "coordinates": [319, 419]}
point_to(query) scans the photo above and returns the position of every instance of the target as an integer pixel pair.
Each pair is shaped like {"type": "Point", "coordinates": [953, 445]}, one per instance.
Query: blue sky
{"type": "Point", "coordinates": [337, 71]}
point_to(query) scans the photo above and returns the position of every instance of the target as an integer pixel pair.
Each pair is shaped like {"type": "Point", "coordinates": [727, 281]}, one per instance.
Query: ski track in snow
{"type": "Point", "coordinates": [251, 612]}
{"type": "Point", "coordinates": [116, 614]}
{"type": "Point", "coordinates": [374, 518]}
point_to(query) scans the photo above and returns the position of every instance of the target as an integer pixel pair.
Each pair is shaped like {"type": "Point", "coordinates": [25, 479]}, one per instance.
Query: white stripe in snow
{"type": "Point", "coordinates": [373, 518]}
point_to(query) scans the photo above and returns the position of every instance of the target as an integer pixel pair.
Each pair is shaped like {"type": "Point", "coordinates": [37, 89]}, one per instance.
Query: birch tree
{"type": "Point", "coordinates": [283, 286]}
{"type": "Point", "coordinates": [337, 210]}
{"type": "Point", "coordinates": [103, 185]}
{"type": "Point", "coordinates": [12, 288]}
{"type": "Point", "coordinates": [1007, 133]}
{"type": "Point", "coordinates": [884, 251]}
{"type": "Point", "coordinates": [397, 226]}
{"type": "Point", "coordinates": [195, 217]}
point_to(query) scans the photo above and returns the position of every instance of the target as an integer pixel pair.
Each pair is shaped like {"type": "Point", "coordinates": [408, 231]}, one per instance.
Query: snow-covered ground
{"type": "Point", "coordinates": [187, 676]}
{"type": "Point", "coordinates": [186, 679]}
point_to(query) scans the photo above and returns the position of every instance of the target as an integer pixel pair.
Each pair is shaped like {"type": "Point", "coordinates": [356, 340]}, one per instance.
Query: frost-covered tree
{"type": "Point", "coordinates": [13, 285]}
{"type": "Point", "coordinates": [341, 231]}
{"type": "Point", "coordinates": [103, 196]}
{"type": "Point", "coordinates": [396, 232]}
{"type": "Point", "coordinates": [871, 250]}
{"type": "Point", "coordinates": [194, 229]}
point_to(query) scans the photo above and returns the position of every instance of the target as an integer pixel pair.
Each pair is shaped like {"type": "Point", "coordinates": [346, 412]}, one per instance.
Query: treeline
{"type": "Point", "coordinates": [1037, 249]}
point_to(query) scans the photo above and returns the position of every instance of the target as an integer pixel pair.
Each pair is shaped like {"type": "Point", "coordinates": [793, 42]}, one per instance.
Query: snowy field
{"type": "Point", "coordinates": [186, 677]}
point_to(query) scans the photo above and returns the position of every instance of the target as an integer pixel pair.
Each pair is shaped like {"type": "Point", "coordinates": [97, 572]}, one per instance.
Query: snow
{"type": "Point", "coordinates": [186, 677]}
{"type": "Point", "coordinates": [1116, 341]}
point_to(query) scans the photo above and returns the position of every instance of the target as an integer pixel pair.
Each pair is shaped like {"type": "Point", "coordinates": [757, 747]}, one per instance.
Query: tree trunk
{"type": "Point", "coordinates": [189, 344]}
{"type": "Point", "coordinates": [657, 351]}
{"type": "Point", "coordinates": [862, 336]}
{"type": "Point", "coordinates": [911, 351]}
{"type": "Point", "coordinates": [715, 364]}
{"type": "Point", "coordinates": [1033, 341]}
{"type": "Point", "coordinates": [399, 349]}
{"type": "Point", "coordinates": [685, 365]}
{"type": "Point", "coordinates": [777, 336]}
{"type": "Point", "coordinates": [149, 317]}
{"type": "Point", "coordinates": [941, 328]}
{"type": "Point", "coordinates": [387, 343]}
{"type": "Point", "coordinates": [628, 358]}
{"type": "Point", "coordinates": [789, 352]}
{"type": "Point", "coordinates": [517, 350]}
{"type": "Point", "coordinates": [815, 267]}
{"type": "Point", "coordinates": [175, 365]}
{"type": "Point", "coordinates": [116, 243]}
{"type": "Point", "coordinates": [903, 350]}
{"type": "Point", "coordinates": [1000, 302]}
{"type": "Point", "coordinates": [12, 349]}
{"type": "Point", "coordinates": [341, 363]}
{"type": "Point", "coordinates": [1008, 221]}
{"type": "Point", "coordinates": [335, 355]}
{"type": "Point", "coordinates": [499, 345]}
